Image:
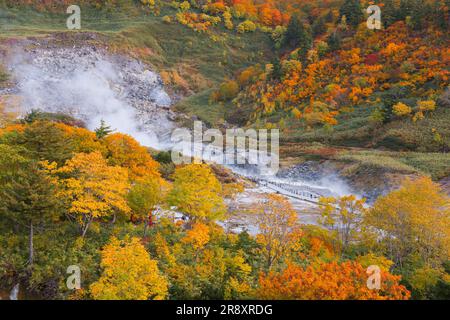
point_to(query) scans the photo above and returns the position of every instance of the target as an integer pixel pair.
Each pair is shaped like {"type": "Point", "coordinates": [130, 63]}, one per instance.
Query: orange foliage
{"type": "Point", "coordinates": [350, 76]}
{"type": "Point", "coordinates": [329, 281]}
{"type": "Point", "coordinates": [84, 140]}
{"type": "Point", "coordinates": [126, 152]}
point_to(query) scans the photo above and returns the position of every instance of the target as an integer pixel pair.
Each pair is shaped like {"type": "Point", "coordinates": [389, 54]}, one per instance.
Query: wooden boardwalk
{"type": "Point", "coordinates": [295, 190]}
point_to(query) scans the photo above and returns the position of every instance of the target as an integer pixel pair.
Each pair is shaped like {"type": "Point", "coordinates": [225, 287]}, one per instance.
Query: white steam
{"type": "Point", "coordinates": [92, 86]}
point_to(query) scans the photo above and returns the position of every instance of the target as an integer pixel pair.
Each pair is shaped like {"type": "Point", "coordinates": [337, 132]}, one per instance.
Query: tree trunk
{"type": "Point", "coordinates": [145, 228]}
{"type": "Point", "coordinates": [150, 219]}
{"type": "Point", "coordinates": [86, 227]}
{"type": "Point", "coordinates": [31, 251]}
{"type": "Point", "coordinates": [148, 223]}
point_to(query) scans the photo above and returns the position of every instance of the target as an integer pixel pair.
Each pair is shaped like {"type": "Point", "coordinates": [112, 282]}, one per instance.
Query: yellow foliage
{"type": "Point", "coordinates": [94, 189]}
{"type": "Point", "coordinates": [401, 109]}
{"type": "Point", "coordinates": [246, 26]}
{"type": "Point", "coordinates": [414, 218]}
{"type": "Point", "coordinates": [277, 221]}
{"type": "Point", "coordinates": [428, 105]}
{"type": "Point", "coordinates": [128, 273]}
{"type": "Point", "coordinates": [197, 192]}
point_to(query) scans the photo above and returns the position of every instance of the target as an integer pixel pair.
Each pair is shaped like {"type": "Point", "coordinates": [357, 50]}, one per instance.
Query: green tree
{"type": "Point", "coordinates": [142, 199]}
{"type": "Point", "coordinates": [441, 13]}
{"type": "Point", "coordinates": [390, 14]}
{"type": "Point", "coordinates": [334, 41]}
{"type": "Point", "coordinates": [103, 130]}
{"type": "Point", "coordinates": [45, 141]}
{"type": "Point", "coordinates": [28, 196]}
{"type": "Point", "coordinates": [319, 27]}
{"type": "Point", "coordinates": [298, 36]}
{"type": "Point", "coordinates": [352, 10]}
{"type": "Point", "coordinates": [419, 13]}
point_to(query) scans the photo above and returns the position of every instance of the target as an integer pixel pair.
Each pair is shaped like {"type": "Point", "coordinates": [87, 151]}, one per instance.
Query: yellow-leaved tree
{"type": "Point", "coordinates": [197, 192]}
{"type": "Point", "coordinates": [128, 273]}
{"type": "Point", "coordinates": [93, 189]}
{"type": "Point", "coordinates": [277, 224]}
{"type": "Point", "coordinates": [343, 216]}
{"type": "Point", "coordinates": [413, 220]}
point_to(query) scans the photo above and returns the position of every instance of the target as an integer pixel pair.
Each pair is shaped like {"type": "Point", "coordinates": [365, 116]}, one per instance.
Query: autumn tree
{"type": "Point", "coordinates": [413, 220]}
{"type": "Point", "coordinates": [400, 109]}
{"type": "Point", "coordinates": [197, 192]}
{"type": "Point", "coordinates": [328, 281]}
{"type": "Point", "coordinates": [128, 273]}
{"type": "Point", "coordinates": [28, 196]}
{"type": "Point", "coordinates": [143, 197]}
{"type": "Point", "coordinates": [277, 222]}
{"type": "Point", "coordinates": [125, 151]}
{"type": "Point", "coordinates": [198, 236]}
{"type": "Point", "coordinates": [93, 189]}
{"type": "Point", "coordinates": [343, 216]}
{"type": "Point", "coordinates": [80, 139]}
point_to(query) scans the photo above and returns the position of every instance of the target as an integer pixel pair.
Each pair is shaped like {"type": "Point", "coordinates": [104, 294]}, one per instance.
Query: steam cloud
{"type": "Point", "coordinates": [93, 87]}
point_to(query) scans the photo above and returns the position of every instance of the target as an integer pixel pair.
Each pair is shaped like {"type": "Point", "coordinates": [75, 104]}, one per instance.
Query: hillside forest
{"type": "Point", "coordinates": [372, 104]}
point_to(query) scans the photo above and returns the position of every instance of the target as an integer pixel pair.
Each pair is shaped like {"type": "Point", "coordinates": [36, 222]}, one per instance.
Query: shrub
{"type": "Point", "coordinates": [246, 26]}
{"type": "Point", "coordinates": [185, 6]}
{"type": "Point", "coordinates": [228, 90]}
{"type": "Point", "coordinates": [401, 109]}
{"type": "Point", "coordinates": [428, 105]}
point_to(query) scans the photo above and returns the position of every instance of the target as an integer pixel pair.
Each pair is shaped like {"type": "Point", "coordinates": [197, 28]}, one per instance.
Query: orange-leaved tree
{"type": "Point", "coordinates": [125, 151]}
{"type": "Point", "coordinates": [329, 281]}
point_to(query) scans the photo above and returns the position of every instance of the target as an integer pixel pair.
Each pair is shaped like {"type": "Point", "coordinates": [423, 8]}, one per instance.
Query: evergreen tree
{"type": "Point", "coordinates": [334, 41]}
{"type": "Point", "coordinates": [389, 13]}
{"type": "Point", "coordinates": [419, 12]}
{"type": "Point", "coordinates": [28, 197]}
{"type": "Point", "coordinates": [277, 72]}
{"type": "Point", "coordinates": [441, 12]}
{"type": "Point", "coordinates": [329, 17]}
{"type": "Point", "coordinates": [103, 130]}
{"type": "Point", "coordinates": [319, 27]}
{"type": "Point", "coordinates": [352, 10]}
{"type": "Point", "coordinates": [298, 36]}
{"type": "Point", "coordinates": [43, 140]}
{"type": "Point", "coordinates": [404, 9]}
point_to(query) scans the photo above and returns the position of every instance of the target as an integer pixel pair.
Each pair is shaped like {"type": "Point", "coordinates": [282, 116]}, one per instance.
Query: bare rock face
{"type": "Point", "coordinates": [88, 83]}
